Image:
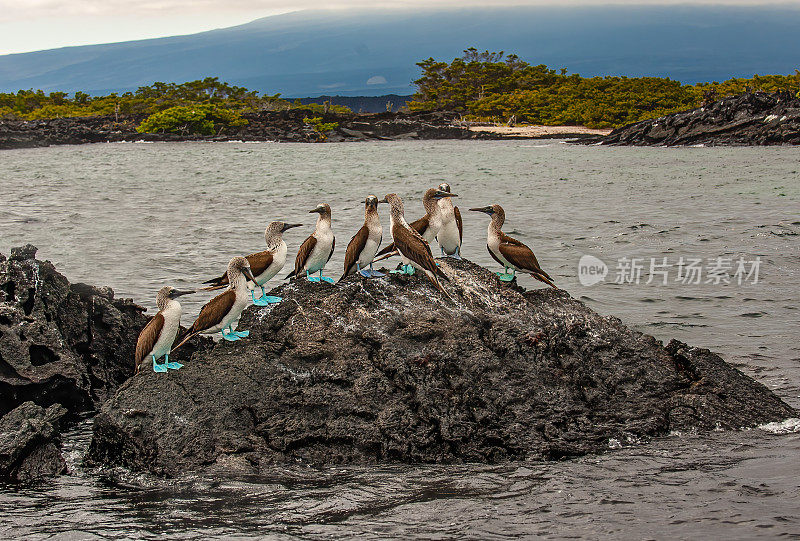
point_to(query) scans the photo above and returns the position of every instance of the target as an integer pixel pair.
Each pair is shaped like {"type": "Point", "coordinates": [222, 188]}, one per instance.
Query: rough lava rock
{"type": "Point", "coordinates": [757, 118]}
{"type": "Point", "coordinates": [284, 126]}
{"type": "Point", "coordinates": [61, 343]}
{"type": "Point", "coordinates": [30, 443]}
{"type": "Point", "coordinates": [371, 371]}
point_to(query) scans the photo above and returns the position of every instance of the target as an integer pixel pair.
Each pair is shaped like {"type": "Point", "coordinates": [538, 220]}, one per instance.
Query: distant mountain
{"type": "Point", "coordinates": [348, 52]}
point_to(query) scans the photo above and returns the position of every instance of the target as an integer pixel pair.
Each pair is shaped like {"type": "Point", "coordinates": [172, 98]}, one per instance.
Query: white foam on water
{"type": "Point", "coordinates": [787, 426]}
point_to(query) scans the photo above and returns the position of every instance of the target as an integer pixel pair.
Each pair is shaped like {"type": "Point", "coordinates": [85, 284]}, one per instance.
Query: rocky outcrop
{"type": "Point", "coordinates": [283, 126]}
{"type": "Point", "coordinates": [61, 343]}
{"type": "Point", "coordinates": [748, 119]}
{"type": "Point", "coordinates": [372, 371]}
{"type": "Point", "coordinates": [30, 444]}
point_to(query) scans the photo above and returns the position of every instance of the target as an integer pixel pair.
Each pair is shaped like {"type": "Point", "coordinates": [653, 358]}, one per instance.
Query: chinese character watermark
{"type": "Point", "coordinates": [662, 271]}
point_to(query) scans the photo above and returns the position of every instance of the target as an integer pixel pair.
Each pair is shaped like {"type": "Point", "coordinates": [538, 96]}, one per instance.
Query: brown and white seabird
{"type": "Point", "coordinates": [159, 334]}
{"type": "Point", "coordinates": [428, 226]}
{"type": "Point", "coordinates": [509, 252]}
{"type": "Point", "coordinates": [316, 250]}
{"type": "Point", "coordinates": [451, 231]}
{"type": "Point", "coordinates": [364, 245]}
{"type": "Point", "coordinates": [414, 250]}
{"type": "Point", "coordinates": [224, 309]}
{"type": "Point", "coordinates": [265, 265]}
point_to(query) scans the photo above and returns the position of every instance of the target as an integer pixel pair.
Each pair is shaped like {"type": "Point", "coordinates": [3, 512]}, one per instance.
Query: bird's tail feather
{"type": "Point", "coordinates": [544, 278]}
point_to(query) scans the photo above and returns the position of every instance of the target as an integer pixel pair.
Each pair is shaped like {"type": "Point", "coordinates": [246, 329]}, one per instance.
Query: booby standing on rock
{"type": "Point", "coordinates": [428, 226]}
{"type": "Point", "coordinates": [221, 311]}
{"type": "Point", "coordinates": [452, 230]}
{"type": "Point", "coordinates": [316, 250]}
{"type": "Point", "coordinates": [413, 248]}
{"type": "Point", "coordinates": [264, 265]}
{"type": "Point", "coordinates": [510, 252]}
{"type": "Point", "coordinates": [364, 245]}
{"type": "Point", "coordinates": [159, 334]}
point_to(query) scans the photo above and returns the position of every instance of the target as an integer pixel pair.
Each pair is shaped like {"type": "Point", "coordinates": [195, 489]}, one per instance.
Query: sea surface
{"type": "Point", "coordinates": [139, 216]}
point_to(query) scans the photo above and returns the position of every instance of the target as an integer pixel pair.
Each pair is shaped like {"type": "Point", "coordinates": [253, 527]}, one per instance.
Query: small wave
{"type": "Point", "coordinates": [787, 426]}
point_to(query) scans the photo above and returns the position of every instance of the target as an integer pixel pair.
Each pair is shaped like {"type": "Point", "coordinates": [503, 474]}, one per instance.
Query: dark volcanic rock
{"type": "Point", "coordinates": [61, 343]}
{"type": "Point", "coordinates": [30, 443]}
{"type": "Point", "coordinates": [372, 371]}
{"type": "Point", "coordinates": [748, 119]}
{"type": "Point", "coordinates": [284, 126]}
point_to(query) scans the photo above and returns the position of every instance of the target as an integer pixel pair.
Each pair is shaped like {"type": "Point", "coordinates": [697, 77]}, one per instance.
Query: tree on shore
{"type": "Point", "coordinates": [493, 86]}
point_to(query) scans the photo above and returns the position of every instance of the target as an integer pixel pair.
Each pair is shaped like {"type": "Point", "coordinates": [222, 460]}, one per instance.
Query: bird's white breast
{"type": "Point", "coordinates": [172, 323]}
{"type": "Point", "coordinates": [278, 261]}
{"type": "Point", "coordinates": [322, 250]}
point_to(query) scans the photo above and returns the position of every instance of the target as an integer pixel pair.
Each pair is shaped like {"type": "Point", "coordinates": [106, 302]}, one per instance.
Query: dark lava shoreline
{"type": "Point", "coordinates": [751, 119]}
{"type": "Point", "coordinates": [274, 126]}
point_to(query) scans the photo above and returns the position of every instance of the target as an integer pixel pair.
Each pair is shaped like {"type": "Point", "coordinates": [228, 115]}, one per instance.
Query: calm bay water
{"type": "Point", "coordinates": [138, 216]}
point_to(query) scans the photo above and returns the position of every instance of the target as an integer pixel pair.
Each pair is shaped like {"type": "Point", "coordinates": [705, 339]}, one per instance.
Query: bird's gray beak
{"type": "Point", "coordinates": [487, 210]}
{"type": "Point", "coordinates": [383, 201]}
{"type": "Point", "coordinates": [440, 194]}
{"type": "Point", "coordinates": [318, 211]}
{"type": "Point", "coordinates": [289, 226]}
{"type": "Point", "coordinates": [180, 292]}
{"type": "Point", "coordinates": [248, 274]}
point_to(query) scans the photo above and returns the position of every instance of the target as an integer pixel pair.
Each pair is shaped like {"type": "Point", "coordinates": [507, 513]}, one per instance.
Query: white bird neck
{"type": "Point", "coordinates": [323, 223]}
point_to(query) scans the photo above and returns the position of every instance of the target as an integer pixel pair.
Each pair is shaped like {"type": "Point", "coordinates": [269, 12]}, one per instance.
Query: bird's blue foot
{"type": "Point", "coordinates": [230, 337]}
{"type": "Point", "coordinates": [505, 277]}
{"type": "Point", "coordinates": [241, 334]}
{"type": "Point", "coordinates": [456, 255]}
{"type": "Point", "coordinates": [313, 278]}
{"type": "Point", "coordinates": [375, 274]}
{"type": "Point", "coordinates": [266, 300]}
{"type": "Point", "coordinates": [158, 367]}
{"type": "Point", "coordinates": [327, 279]}
{"type": "Point", "coordinates": [405, 269]}
{"type": "Point", "coordinates": [366, 273]}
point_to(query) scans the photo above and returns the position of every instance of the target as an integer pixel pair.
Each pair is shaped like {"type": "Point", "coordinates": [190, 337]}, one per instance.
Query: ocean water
{"type": "Point", "coordinates": [139, 216]}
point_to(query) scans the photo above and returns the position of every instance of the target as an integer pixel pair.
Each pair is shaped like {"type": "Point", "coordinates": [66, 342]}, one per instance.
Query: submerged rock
{"type": "Point", "coordinates": [757, 118]}
{"type": "Point", "coordinates": [372, 371]}
{"type": "Point", "coordinates": [30, 443]}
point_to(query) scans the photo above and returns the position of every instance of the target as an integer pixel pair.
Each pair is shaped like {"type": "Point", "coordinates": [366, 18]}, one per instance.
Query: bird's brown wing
{"type": "Point", "coordinates": [522, 257]}
{"type": "Point", "coordinates": [218, 282]}
{"type": "Point", "coordinates": [148, 337]}
{"type": "Point", "coordinates": [355, 247]}
{"type": "Point", "coordinates": [302, 255]}
{"type": "Point", "coordinates": [211, 314]}
{"type": "Point", "coordinates": [417, 225]}
{"type": "Point", "coordinates": [459, 223]}
{"type": "Point", "coordinates": [414, 247]}
{"type": "Point", "coordinates": [259, 262]}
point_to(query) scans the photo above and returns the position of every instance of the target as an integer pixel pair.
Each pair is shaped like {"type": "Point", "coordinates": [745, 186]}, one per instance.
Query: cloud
{"type": "Point", "coordinates": [377, 80]}
{"type": "Point", "coordinates": [11, 10]}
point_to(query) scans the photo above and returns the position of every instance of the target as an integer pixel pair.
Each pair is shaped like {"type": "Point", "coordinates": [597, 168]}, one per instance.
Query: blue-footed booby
{"type": "Point", "coordinates": [428, 226]}
{"type": "Point", "coordinates": [316, 250]}
{"type": "Point", "coordinates": [364, 245]}
{"type": "Point", "coordinates": [223, 310]}
{"type": "Point", "coordinates": [156, 339]}
{"type": "Point", "coordinates": [452, 230]}
{"type": "Point", "coordinates": [413, 248]}
{"type": "Point", "coordinates": [509, 252]}
{"type": "Point", "coordinates": [264, 265]}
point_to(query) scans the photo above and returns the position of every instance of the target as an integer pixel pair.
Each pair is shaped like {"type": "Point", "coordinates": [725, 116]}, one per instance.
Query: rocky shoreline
{"type": "Point", "coordinates": [752, 119]}
{"type": "Point", "coordinates": [274, 126]}
{"type": "Point", "coordinates": [363, 372]}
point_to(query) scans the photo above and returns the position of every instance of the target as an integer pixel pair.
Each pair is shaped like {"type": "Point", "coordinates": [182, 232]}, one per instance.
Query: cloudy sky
{"type": "Point", "coordinates": [29, 25]}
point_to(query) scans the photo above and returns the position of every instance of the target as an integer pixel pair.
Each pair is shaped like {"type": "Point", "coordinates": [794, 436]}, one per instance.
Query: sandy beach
{"type": "Point", "coordinates": [540, 131]}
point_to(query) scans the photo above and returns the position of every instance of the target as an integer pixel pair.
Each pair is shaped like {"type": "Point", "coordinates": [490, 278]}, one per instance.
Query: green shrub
{"type": "Point", "coordinates": [192, 119]}
{"type": "Point", "coordinates": [322, 128]}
